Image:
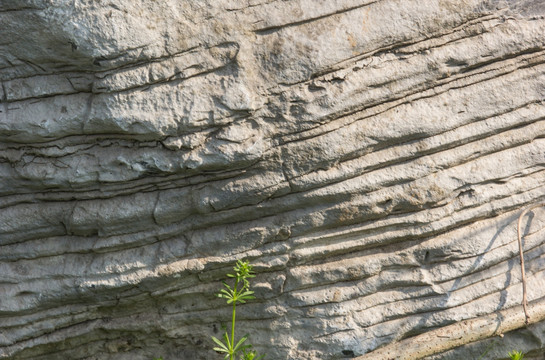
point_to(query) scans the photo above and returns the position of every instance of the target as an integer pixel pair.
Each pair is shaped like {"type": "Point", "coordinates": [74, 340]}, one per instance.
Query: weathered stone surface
{"type": "Point", "coordinates": [369, 157]}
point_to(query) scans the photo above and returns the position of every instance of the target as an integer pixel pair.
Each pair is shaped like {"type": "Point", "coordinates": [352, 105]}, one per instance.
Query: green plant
{"type": "Point", "coordinates": [251, 355]}
{"type": "Point", "coordinates": [516, 355]}
{"type": "Point", "coordinates": [492, 344]}
{"type": "Point", "coordinates": [238, 293]}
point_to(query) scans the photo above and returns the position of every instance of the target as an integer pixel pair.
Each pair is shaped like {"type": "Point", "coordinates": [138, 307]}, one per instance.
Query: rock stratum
{"type": "Point", "coordinates": [370, 157]}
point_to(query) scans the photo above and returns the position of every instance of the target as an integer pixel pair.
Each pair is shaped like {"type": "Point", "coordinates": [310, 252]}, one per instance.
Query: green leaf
{"type": "Point", "coordinates": [248, 294]}
{"type": "Point", "coordinates": [228, 293]}
{"type": "Point", "coordinates": [222, 347]}
{"type": "Point", "coordinates": [244, 338]}
{"type": "Point", "coordinates": [227, 341]}
{"type": "Point", "coordinates": [227, 289]}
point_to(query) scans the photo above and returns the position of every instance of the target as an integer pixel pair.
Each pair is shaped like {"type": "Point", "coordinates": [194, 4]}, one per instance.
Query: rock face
{"type": "Point", "coordinates": [370, 157]}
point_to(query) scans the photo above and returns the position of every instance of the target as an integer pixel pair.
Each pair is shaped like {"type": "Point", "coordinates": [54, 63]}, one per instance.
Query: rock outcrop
{"type": "Point", "coordinates": [370, 157]}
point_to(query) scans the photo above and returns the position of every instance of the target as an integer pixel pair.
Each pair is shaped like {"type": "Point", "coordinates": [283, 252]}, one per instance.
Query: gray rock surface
{"type": "Point", "coordinates": [370, 157]}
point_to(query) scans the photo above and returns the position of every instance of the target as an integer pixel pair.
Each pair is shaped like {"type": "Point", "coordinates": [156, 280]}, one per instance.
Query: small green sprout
{"type": "Point", "coordinates": [516, 355]}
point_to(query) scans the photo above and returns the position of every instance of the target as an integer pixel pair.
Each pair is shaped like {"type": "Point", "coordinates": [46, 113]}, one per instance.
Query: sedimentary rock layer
{"type": "Point", "coordinates": [369, 157]}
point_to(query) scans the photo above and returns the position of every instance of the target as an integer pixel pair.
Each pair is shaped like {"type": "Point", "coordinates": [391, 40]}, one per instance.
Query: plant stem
{"type": "Point", "coordinates": [460, 333]}
{"type": "Point", "coordinates": [232, 355]}
{"type": "Point", "coordinates": [521, 254]}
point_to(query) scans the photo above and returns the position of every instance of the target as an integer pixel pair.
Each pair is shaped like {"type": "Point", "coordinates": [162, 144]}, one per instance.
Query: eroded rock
{"type": "Point", "coordinates": [369, 157]}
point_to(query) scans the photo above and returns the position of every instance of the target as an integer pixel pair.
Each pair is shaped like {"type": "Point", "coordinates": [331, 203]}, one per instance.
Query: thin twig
{"type": "Point", "coordinates": [458, 334]}
{"type": "Point", "coordinates": [521, 254]}
{"type": "Point", "coordinates": [467, 331]}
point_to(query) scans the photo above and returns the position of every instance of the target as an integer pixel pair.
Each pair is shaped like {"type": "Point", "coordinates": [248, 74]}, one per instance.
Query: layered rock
{"type": "Point", "coordinates": [369, 157]}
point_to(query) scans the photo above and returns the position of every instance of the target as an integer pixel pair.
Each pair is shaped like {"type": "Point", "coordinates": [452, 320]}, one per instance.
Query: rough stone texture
{"type": "Point", "coordinates": [369, 156]}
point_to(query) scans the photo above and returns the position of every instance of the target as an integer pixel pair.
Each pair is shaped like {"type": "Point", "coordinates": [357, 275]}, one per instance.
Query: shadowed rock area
{"type": "Point", "coordinates": [369, 157]}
